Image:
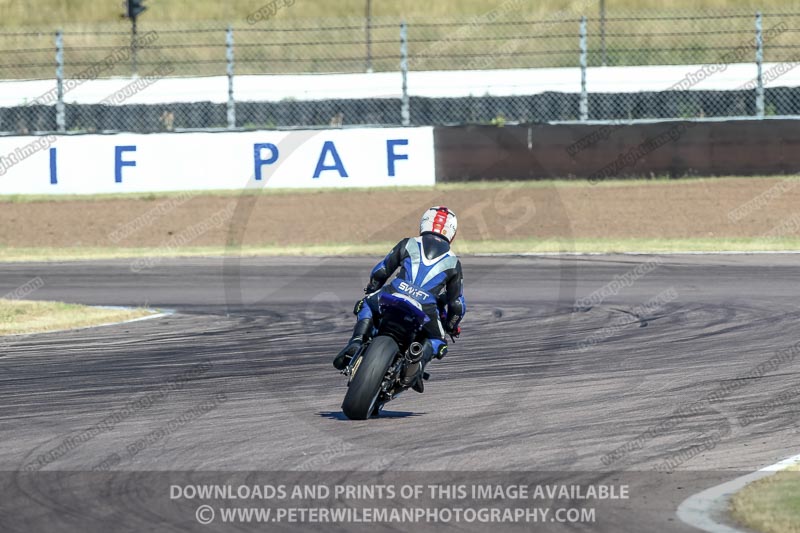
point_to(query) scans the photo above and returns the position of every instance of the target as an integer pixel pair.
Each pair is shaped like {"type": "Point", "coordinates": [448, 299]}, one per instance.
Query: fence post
{"type": "Point", "coordinates": [61, 123]}
{"type": "Point", "coordinates": [584, 103]}
{"type": "Point", "coordinates": [134, 48]}
{"type": "Point", "coordinates": [603, 30]}
{"type": "Point", "coordinates": [759, 65]}
{"type": "Point", "coordinates": [369, 36]}
{"type": "Point", "coordinates": [405, 111]}
{"type": "Point", "coordinates": [229, 61]}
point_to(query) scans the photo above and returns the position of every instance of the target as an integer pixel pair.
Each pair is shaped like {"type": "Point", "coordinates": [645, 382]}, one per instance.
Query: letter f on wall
{"type": "Point", "coordinates": [119, 163]}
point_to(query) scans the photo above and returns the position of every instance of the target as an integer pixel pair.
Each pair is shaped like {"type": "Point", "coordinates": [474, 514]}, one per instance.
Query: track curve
{"type": "Point", "coordinates": [535, 384]}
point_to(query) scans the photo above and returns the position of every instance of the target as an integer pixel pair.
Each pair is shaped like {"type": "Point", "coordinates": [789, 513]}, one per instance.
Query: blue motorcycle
{"type": "Point", "coordinates": [374, 373]}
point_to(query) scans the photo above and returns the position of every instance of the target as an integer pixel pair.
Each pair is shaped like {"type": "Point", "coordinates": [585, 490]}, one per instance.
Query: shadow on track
{"type": "Point", "coordinates": [338, 415]}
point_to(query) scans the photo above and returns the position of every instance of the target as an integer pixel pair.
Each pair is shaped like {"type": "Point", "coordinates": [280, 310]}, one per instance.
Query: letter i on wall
{"type": "Point", "coordinates": [53, 167]}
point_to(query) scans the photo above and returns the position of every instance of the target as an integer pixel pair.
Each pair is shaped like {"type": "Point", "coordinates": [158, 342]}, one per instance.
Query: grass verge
{"type": "Point", "coordinates": [565, 245]}
{"type": "Point", "coordinates": [661, 181]}
{"type": "Point", "coordinates": [771, 504]}
{"type": "Point", "coordinates": [24, 316]}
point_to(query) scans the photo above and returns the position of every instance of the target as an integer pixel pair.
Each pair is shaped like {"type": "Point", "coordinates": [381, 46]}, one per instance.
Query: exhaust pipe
{"type": "Point", "coordinates": [414, 353]}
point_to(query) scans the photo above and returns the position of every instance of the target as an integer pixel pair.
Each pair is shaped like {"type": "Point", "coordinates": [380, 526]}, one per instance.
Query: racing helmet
{"type": "Point", "coordinates": [440, 220]}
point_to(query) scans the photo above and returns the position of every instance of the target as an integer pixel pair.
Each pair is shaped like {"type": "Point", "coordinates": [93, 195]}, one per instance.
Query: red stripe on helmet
{"type": "Point", "coordinates": [440, 219]}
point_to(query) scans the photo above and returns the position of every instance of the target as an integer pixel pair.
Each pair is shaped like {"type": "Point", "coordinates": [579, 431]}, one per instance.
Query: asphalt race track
{"type": "Point", "coordinates": [537, 388]}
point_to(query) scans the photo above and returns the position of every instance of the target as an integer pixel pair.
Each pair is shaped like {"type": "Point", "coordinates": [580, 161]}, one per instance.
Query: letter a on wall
{"type": "Point", "coordinates": [330, 148]}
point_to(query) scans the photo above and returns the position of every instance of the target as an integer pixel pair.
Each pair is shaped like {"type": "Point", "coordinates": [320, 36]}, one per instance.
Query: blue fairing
{"type": "Point", "coordinates": [404, 304]}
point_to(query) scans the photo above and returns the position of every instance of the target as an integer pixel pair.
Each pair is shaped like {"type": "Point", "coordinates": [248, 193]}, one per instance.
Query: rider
{"type": "Point", "coordinates": [428, 263]}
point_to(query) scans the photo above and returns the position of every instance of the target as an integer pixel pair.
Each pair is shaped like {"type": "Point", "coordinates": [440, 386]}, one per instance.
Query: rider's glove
{"type": "Point", "coordinates": [454, 332]}
{"type": "Point", "coordinates": [372, 287]}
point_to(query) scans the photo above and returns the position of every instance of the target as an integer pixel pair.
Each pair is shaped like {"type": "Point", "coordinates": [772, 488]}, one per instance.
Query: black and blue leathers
{"type": "Point", "coordinates": [425, 263]}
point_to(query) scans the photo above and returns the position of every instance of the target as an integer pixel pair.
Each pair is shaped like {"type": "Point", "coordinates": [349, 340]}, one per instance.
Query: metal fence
{"type": "Point", "coordinates": [493, 68]}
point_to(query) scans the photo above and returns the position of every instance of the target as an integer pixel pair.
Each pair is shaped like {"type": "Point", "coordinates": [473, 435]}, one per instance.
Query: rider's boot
{"type": "Point", "coordinates": [362, 328]}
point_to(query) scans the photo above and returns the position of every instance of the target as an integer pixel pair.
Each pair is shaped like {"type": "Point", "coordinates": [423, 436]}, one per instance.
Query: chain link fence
{"type": "Point", "coordinates": [265, 73]}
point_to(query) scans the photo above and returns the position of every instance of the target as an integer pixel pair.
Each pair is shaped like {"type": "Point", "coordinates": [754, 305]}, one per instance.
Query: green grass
{"type": "Point", "coordinates": [771, 504]}
{"type": "Point", "coordinates": [461, 186]}
{"type": "Point", "coordinates": [523, 246]}
{"type": "Point", "coordinates": [24, 317]}
{"type": "Point", "coordinates": [611, 245]}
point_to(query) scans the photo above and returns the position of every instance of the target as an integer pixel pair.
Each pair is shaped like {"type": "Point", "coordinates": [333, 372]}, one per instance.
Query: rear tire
{"type": "Point", "coordinates": [365, 386]}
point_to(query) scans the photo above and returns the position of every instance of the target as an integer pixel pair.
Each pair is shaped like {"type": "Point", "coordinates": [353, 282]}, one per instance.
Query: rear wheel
{"type": "Point", "coordinates": [365, 385]}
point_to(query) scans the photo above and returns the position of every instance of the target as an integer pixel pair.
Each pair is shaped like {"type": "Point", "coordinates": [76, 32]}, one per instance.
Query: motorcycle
{"type": "Point", "coordinates": [374, 375]}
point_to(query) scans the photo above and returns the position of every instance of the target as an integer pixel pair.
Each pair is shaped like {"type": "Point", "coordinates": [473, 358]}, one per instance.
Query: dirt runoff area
{"type": "Point", "coordinates": [679, 209]}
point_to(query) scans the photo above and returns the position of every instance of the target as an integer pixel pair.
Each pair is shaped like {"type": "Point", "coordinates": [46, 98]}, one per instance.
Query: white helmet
{"type": "Point", "coordinates": [439, 220]}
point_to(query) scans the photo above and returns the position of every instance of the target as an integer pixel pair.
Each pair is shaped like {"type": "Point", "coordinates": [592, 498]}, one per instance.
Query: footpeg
{"type": "Point", "coordinates": [426, 376]}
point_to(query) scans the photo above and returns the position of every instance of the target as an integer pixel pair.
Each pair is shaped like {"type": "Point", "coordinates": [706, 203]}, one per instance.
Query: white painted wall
{"type": "Point", "coordinates": [387, 84]}
{"type": "Point", "coordinates": [126, 162]}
